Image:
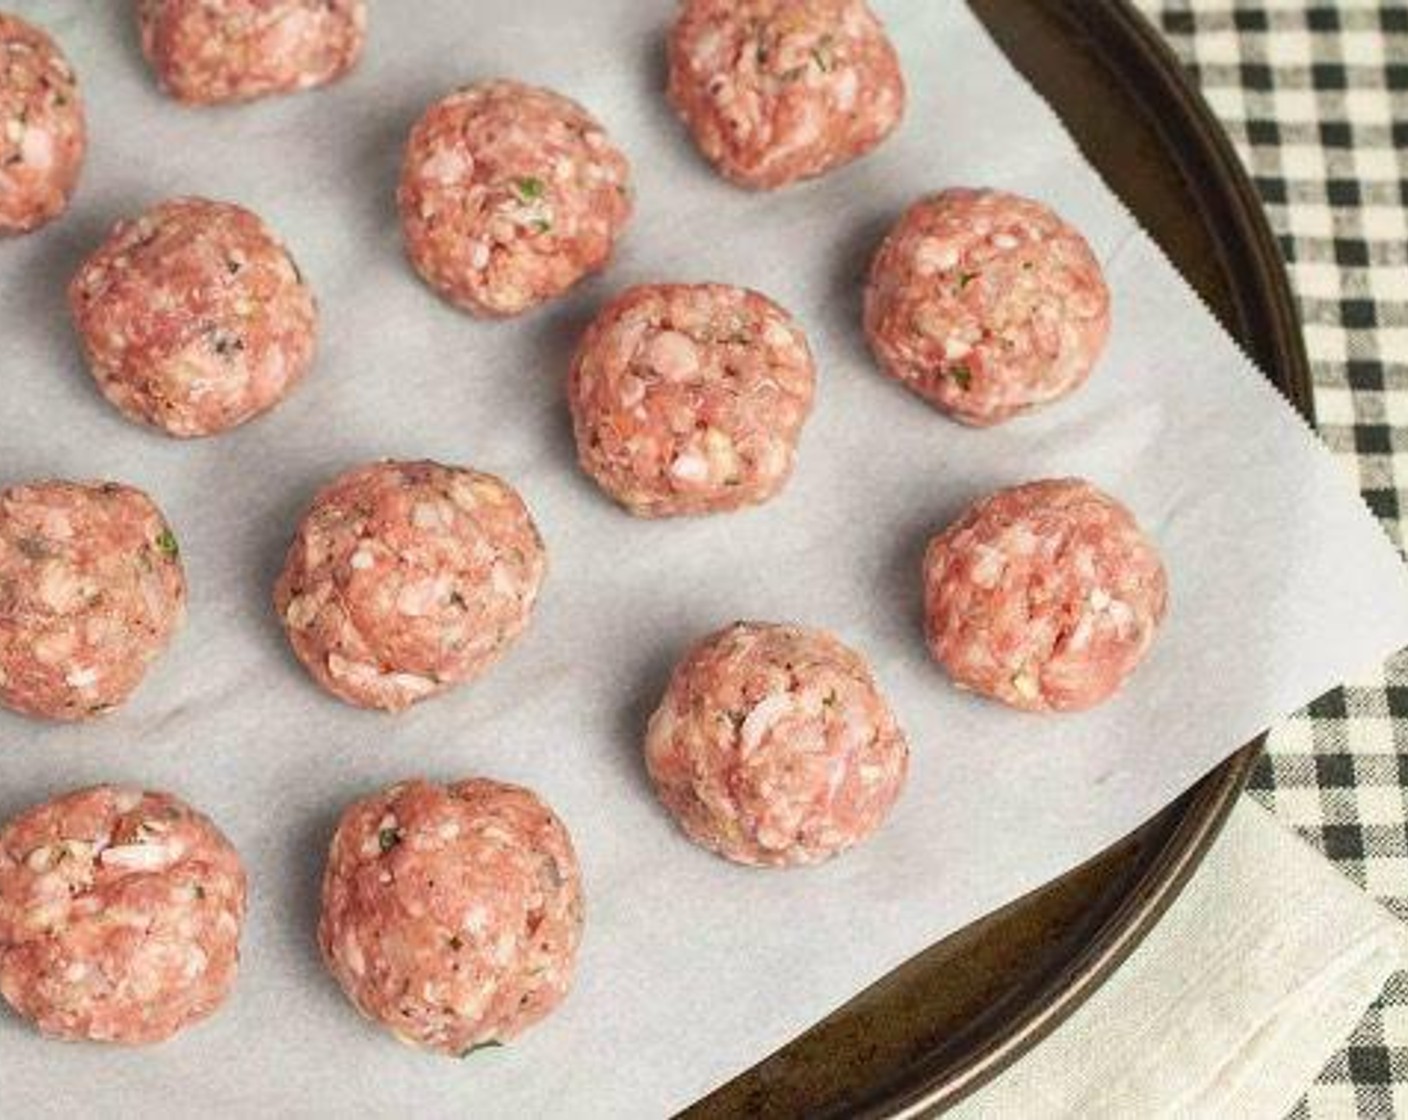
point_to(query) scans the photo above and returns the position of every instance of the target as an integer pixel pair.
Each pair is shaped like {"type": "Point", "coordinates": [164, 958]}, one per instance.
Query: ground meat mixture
{"type": "Point", "coordinates": [1044, 596]}
{"type": "Point", "coordinates": [91, 591]}
{"type": "Point", "coordinates": [509, 195]}
{"type": "Point", "coordinates": [452, 915]}
{"type": "Point", "coordinates": [194, 317]}
{"type": "Point", "coordinates": [773, 746]}
{"type": "Point", "coordinates": [690, 398]}
{"type": "Point", "coordinates": [209, 51]}
{"type": "Point", "coordinates": [408, 578]}
{"type": "Point", "coordinates": [120, 916]}
{"type": "Point", "coordinates": [780, 90]}
{"type": "Point", "coordinates": [42, 132]}
{"type": "Point", "coordinates": [986, 305]}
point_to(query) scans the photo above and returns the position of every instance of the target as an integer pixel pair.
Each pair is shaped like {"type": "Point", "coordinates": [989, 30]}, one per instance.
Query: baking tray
{"type": "Point", "coordinates": [950, 1019]}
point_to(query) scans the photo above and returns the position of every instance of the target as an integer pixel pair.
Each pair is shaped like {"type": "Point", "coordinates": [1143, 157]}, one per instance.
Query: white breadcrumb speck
{"type": "Point", "coordinates": [137, 857]}
{"type": "Point", "coordinates": [761, 719]}
{"type": "Point", "coordinates": [1026, 684]}
{"type": "Point", "coordinates": [690, 467]}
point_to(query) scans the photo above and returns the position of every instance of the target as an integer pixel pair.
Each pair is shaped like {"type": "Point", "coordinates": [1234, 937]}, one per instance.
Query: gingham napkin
{"type": "Point", "coordinates": [1230, 1007]}
{"type": "Point", "coordinates": [1314, 95]}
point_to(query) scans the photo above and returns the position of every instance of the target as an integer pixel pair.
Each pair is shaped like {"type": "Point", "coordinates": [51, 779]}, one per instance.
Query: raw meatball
{"type": "Point", "coordinates": [452, 915]}
{"type": "Point", "coordinates": [408, 578]}
{"type": "Point", "coordinates": [194, 317]}
{"type": "Point", "coordinates": [780, 90]}
{"type": "Point", "coordinates": [42, 133]}
{"type": "Point", "coordinates": [774, 747]}
{"type": "Point", "coordinates": [1044, 596]}
{"type": "Point", "coordinates": [690, 398]}
{"type": "Point", "coordinates": [986, 305]}
{"type": "Point", "coordinates": [509, 195]}
{"type": "Point", "coordinates": [91, 591]}
{"type": "Point", "coordinates": [209, 51]}
{"type": "Point", "coordinates": [120, 916]}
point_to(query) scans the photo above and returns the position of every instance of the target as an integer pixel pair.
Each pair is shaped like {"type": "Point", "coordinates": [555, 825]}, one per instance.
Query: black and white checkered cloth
{"type": "Point", "coordinates": [1315, 96]}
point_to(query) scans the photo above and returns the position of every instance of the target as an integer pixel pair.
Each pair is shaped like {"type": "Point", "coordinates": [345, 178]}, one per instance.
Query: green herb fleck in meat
{"type": "Point", "coordinates": [962, 376]}
{"type": "Point", "coordinates": [824, 54]}
{"type": "Point", "coordinates": [388, 838]}
{"type": "Point", "coordinates": [528, 188]}
{"type": "Point", "coordinates": [758, 33]}
{"type": "Point", "coordinates": [481, 1046]}
{"type": "Point", "coordinates": [166, 542]}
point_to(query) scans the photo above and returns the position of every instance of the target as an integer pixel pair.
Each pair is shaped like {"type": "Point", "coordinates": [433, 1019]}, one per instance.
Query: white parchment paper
{"type": "Point", "coordinates": [692, 968]}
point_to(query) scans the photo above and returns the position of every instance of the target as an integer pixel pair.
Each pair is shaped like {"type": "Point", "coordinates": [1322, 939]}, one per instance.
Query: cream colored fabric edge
{"type": "Point", "coordinates": [1231, 1006]}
